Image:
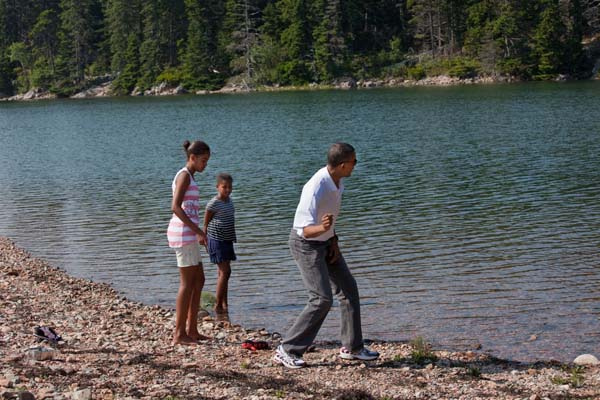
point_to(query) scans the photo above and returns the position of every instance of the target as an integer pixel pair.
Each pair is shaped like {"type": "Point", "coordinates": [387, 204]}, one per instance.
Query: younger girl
{"type": "Point", "coordinates": [185, 236]}
{"type": "Point", "coordinates": [219, 225]}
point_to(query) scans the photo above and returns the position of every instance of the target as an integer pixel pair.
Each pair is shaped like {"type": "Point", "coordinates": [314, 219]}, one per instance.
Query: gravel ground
{"type": "Point", "coordinates": [118, 349]}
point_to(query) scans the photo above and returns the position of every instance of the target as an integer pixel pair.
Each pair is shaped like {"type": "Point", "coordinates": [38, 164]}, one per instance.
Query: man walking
{"type": "Point", "coordinates": [314, 246]}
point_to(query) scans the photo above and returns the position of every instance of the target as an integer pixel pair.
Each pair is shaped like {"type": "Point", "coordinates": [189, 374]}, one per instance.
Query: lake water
{"type": "Point", "coordinates": [472, 217]}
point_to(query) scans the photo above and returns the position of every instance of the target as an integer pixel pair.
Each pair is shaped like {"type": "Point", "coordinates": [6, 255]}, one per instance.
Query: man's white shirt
{"type": "Point", "coordinates": [319, 196]}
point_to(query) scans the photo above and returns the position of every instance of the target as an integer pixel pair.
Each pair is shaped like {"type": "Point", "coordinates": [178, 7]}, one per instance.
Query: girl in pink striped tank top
{"type": "Point", "coordinates": [185, 236]}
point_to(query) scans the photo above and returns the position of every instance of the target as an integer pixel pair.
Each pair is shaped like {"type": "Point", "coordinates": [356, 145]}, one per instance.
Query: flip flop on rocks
{"type": "Point", "coordinates": [47, 334]}
{"type": "Point", "coordinates": [255, 345]}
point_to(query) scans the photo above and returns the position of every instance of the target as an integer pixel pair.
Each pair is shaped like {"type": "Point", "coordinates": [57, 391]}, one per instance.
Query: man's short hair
{"type": "Point", "coordinates": [339, 153]}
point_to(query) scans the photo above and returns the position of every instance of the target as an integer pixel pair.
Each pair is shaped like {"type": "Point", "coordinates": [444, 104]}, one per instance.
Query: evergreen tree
{"type": "Point", "coordinates": [591, 14]}
{"type": "Point", "coordinates": [174, 31]}
{"type": "Point", "coordinates": [162, 29]}
{"type": "Point", "coordinates": [44, 42]}
{"type": "Point", "coordinates": [295, 41]}
{"type": "Point", "coordinates": [122, 19]}
{"type": "Point", "coordinates": [574, 57]}
{"type": "Point", "coordinates": [199, 60]}
{"type": "Point", "coordinates": [239, 37]}
{"type": "Point", "coordinates": [150, 48]}
{"type": "Point", "coordinates": [548, 47]}
{"type": "Point", "coordinates": [127, 80]}
{"type": "Point", "coordinates": [425, 23]}
{"type": "Point", "coordinates": [20, 53]}
{"type": "Point", "coordinates": [269, 53]}
{"type": "Point", "coordinates": [330, 46]}
{"type": "Point", "coordinates": [77, 34]}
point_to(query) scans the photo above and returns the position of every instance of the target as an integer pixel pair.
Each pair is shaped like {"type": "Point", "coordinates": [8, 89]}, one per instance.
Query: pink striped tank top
{"type": "Point", "coordinates": [178, 233]}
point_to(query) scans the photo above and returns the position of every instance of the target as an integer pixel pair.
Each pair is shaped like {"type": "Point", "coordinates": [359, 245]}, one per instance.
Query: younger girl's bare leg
{"type": "Point", "coordinates": [222, 284]}
{"type": "Point", "coordinates": [186, 285]}
{"type": "Point", "coordinates": [194, 306]}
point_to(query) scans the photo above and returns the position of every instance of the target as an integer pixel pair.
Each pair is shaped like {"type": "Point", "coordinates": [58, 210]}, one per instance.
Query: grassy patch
{"type": "Point", "coordinates": [399, 358]}
{"type": "Point", "coordinates": [474, 372]}
{"type": "Point", "coordinates": [575, 377]}
{"type": "Point", "coordinates": [421, 352]}
{"type": "Point", "coordinates": [207, 300]}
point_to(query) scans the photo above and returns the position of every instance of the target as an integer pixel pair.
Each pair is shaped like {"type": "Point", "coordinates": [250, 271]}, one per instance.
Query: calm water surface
{"type": "Point", "coordinates": [473, 216]}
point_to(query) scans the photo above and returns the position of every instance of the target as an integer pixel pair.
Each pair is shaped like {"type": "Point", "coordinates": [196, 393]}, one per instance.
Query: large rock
{"type": "Point", "coordinates": [84, 394]}
{"type": "Point", "coordinates": [586, 359]}
{"type": "Point", "coordinates": [163, 89]}
{"type": "Point", "coordinates": [31, 94]}
{"type": "Point", "coordinates": [234, 88]}
{"type": "Point", "coordinates": [96, 91]}
{"type": "Point", "coordinates": [346, 83]}
{"type": "Point", "coordinates": [137, 91]}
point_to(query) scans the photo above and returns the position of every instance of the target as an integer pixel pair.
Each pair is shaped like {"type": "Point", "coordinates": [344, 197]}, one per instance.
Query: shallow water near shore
{"type": "Point", "coordinates": [473, 216]}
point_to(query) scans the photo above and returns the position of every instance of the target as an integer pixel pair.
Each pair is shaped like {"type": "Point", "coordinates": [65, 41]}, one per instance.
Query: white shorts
{"type": "Point", "coordinates": [188, 255]}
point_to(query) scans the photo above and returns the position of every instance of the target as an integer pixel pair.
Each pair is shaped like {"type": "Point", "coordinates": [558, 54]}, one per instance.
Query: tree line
{"type": "Point", "coordinates": [65, 45]}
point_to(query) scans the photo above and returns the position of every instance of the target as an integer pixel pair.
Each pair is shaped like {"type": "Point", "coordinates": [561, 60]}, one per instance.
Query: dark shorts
{"type": "Point", "coordinates": [220, 250]}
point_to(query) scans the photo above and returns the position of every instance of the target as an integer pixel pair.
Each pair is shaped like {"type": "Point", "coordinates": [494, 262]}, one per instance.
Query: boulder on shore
{"type": "Point", "coordinates": [164, 89]}
{"type": "Point", "coordinates": [103, 90]}
{"type": "Point", "coordinates": [345, 83]}
{"type": "Point", "coordinates": [586, 359]}
{"type": "Point", "coordinates": [33, 94]}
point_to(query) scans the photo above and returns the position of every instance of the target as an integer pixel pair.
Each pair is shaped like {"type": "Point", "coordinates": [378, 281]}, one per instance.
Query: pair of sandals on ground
{"type": "Point", "coordinates": [292, 361]}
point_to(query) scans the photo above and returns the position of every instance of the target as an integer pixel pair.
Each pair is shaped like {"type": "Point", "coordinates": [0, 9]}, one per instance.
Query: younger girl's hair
{"type": "Point", "coordinates": [197, 147]}
{"type": "Point", "coordinates": [224, 177]}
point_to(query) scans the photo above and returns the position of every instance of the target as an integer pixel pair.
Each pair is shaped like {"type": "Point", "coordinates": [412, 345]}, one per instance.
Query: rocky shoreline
{"type": "Point", "coordinates": [164, 89]}
{"type": "Point", "coordinates": [118, 349]}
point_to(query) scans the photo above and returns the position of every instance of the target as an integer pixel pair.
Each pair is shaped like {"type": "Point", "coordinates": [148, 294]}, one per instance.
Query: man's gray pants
{"type": "Point", "coordinates": [323, 280]}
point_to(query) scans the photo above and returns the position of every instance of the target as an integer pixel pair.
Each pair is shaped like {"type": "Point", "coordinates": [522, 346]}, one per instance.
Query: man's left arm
{"type": "Point", "coordinates": [334, 254]}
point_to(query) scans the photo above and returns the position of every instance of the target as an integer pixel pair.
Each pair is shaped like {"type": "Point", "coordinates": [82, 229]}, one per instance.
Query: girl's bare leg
{"type": "Point", "coordinates": [194, 306]}
{"type": "Point", "coordinates": [186, 285]}
{"type": "Point", "coordinates": [222, 284]}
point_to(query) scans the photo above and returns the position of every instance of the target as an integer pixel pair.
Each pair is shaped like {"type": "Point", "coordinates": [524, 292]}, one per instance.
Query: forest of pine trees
{"type": "Point", "coordinates": [65, 45]}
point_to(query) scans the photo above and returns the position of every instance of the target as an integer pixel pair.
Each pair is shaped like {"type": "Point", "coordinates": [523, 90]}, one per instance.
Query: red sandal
{"type": "Point", "coordinates": [255, 345]}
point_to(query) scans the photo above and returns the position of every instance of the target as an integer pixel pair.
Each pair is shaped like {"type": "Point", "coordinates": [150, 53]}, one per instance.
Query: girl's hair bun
{"type": "Point", "coordinates": [197, 147]}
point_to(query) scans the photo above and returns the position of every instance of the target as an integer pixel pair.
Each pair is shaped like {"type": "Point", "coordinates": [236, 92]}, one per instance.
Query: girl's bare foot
{"type": "Point", "coordinates": [184, 340]}
{"type": "Point", "coordinates": [221, 310]}
{"type": "Point", "coordinates": [198, 336]}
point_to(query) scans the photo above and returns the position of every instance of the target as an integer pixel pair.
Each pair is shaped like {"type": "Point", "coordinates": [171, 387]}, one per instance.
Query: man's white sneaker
{"type": "Point", "coordinates": [362, 354]}
{"type": "Point", "coordinates": [286, 359]}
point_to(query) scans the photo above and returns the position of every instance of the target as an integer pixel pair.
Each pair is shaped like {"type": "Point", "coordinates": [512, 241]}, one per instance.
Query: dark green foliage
{"type": "Point", "coordinates": [127, 80]}
{"type": "Point", "coordinates": [547, 40]}
{"type": "Point", "coordinates": [330, 47]}
{"type": "Point", "coordinates": [76, 38]}
{"type": "Point", "coordinates": [123, 17]}
{"type": "Point", "coordinates": [200, 61]}
{"type": "Point", "coordinates": [66, 45]}
{"type": "Point", "coordinates": [239, 38]}
{"type": "Point", "coordinates": [7, 74]}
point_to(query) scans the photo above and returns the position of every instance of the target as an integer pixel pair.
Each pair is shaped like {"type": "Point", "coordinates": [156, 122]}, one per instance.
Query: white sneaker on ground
{"type": "Point", "coordinates": [362, 354]}
{"type": "Point", "coordinates": [287, 360]}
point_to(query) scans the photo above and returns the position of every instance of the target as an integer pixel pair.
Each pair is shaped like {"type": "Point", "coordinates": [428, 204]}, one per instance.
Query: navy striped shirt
{"type": "Point", "coordinates": [222, 224]}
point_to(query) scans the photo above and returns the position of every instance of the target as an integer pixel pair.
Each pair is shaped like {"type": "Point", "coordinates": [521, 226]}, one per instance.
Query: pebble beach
{"type": "Point", "coordinates": [115, 348]}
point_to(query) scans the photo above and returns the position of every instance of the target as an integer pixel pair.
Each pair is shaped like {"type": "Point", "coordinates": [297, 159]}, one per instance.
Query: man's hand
{"type": "Point", "coordinates": [327, 221]}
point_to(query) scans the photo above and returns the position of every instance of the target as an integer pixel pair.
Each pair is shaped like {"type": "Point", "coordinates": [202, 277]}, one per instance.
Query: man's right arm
{"type": "Point", "coordinates": [317, 230]}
